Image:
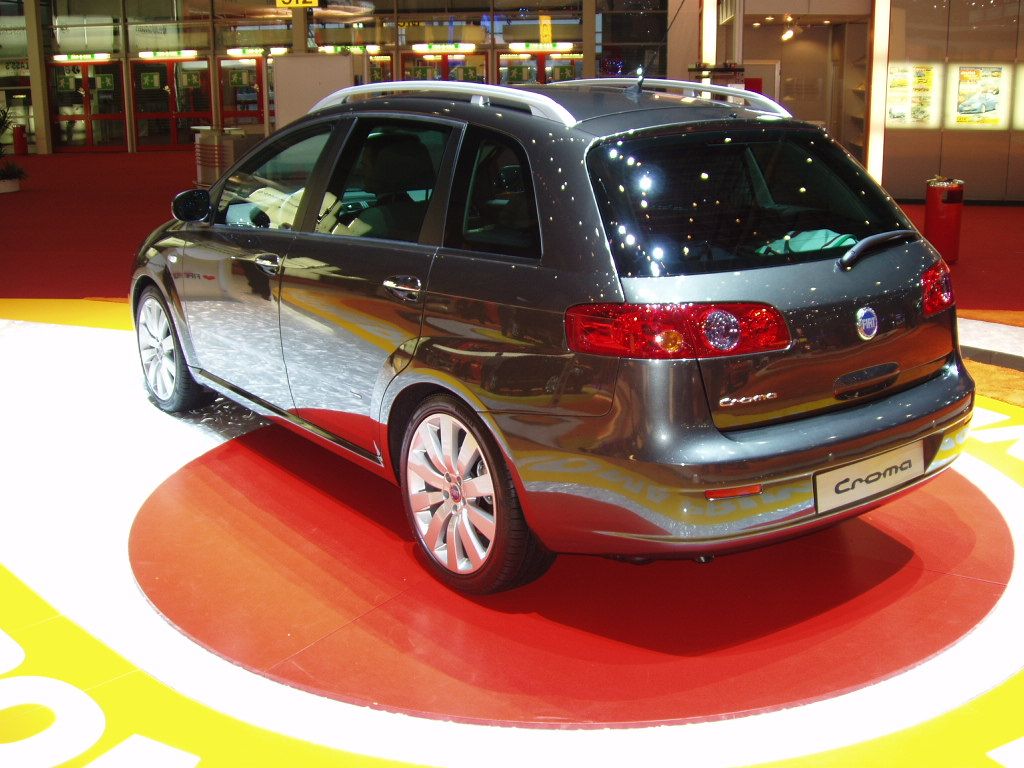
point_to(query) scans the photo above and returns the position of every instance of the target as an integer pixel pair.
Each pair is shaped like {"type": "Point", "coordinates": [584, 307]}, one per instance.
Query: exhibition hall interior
{"type": "Point", "coordinates": [502, 521]}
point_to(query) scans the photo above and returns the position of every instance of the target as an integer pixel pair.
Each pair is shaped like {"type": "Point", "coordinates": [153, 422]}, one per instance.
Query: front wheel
{"type": "Point", "coordinates": [168, 379]}
{"type": "Point", "coordinates": [461, 502]}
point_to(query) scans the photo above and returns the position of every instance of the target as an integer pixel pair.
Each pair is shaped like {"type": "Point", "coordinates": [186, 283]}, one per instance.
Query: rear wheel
{"type": "Point", "coordinates": [168, 379]}
{"type": "Point", "coordinates": [462, 504]}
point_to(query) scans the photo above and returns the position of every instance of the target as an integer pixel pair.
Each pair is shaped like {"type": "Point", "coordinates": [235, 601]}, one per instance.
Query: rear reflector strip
{"type": "Point", "coordinates": [732, 493]}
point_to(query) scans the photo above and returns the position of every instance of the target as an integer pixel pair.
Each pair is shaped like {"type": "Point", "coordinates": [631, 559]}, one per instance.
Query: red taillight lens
{"type": "Point", "coordinates": [937, 285]}
{"type": "Point", "coordinates": [675, 331]}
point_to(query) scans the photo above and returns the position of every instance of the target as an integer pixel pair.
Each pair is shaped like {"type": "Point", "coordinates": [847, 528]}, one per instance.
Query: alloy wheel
{"type": "Point", "coordinates": [451, 493]}
{"type": "Point", "coordinates": [156, 348]}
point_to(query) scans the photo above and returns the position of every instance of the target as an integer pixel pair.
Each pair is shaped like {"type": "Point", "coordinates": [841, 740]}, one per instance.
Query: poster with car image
{"type": "Point", "coordinates": [978, 97]}
{"type": "Point", "coordinates": [913, 96]}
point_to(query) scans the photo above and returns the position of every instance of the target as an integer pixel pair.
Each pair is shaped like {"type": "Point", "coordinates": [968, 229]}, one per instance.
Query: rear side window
{"type": "Point", "coordinates": [492, 207]}
{"type": "Point", "coordinates": [716, 201]}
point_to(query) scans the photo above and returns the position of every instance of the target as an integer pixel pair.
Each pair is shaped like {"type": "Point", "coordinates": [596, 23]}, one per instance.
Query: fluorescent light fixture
{"type": "Point", "coordinates": [185, 54]}
{"type": "Point", "coordinates": [81, 57]}
{"type": "Point", "coordinates": [561, 47]}
{"type": "Point", "coordinates": [444, 47]}
{"type": "Point", "coordinates": [278, 50]}
{"type": "Point", "coordinates": [243, 53]}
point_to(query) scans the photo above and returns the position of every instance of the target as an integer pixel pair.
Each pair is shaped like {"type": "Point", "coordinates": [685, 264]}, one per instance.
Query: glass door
{"type": "Point", "coordinates": [466, 67]}
{"type": "Point", "coordinates": [170, 97]}
{"type": "Point", "coordinates": [87, 101]}
{"type": "Point", "coordinates": [241, 91]}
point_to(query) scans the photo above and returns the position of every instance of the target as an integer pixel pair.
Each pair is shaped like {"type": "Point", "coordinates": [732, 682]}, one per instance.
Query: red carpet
{"type": "Point", "coordinates": [73, 230]}
{"type": "Point", "coordinates": [305, 573]}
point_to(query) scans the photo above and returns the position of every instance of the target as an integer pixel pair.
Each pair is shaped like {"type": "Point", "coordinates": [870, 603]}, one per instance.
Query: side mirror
{"type": "Point", "coordinates": [191, 205]}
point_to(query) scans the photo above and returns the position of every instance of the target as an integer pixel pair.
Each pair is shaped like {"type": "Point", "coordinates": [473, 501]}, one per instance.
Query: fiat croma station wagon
{"type": "Point", "coordinates": [642, 319]}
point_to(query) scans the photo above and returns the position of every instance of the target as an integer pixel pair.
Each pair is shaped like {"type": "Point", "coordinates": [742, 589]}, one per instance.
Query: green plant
{"type": "Point", "coordinates": [8, 170]}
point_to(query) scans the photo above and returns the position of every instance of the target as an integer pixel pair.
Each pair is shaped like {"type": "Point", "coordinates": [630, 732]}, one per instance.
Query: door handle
{"type": "Point", "coordinates": [404, 287]}
{"type": "Point", "coordinates": [268, 262]}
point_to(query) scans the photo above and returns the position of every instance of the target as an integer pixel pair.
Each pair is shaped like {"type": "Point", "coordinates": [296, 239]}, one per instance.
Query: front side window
{"type": "Point", "coordinates": [493, 208]}
{"type": "Point", "coordinates": [383, 183]}
{"type": "Point", "coordinates": [717, 201]}
{"type": "Point", "coordinates": [267, 190]}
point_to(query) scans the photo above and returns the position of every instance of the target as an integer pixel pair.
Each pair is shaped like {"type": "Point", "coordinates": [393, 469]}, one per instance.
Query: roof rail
{"type": "Point", "coordinates": [756, 101]}
{"type": "Point", "coordinates": [479, 93]}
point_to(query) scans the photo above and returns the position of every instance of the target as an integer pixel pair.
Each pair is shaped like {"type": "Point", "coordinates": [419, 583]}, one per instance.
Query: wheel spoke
{"type": "Point", "coordinates": [450, 430]}
{"type": "Point", "coordinates": [469, 454]}
{"type": "Point", "coordinates": [453, 548]}
{"type": "Point", "coordinates": [432, 447]}
{"type": "Point", "coordinates": [421, 501]}
{"type": "Point", "coordinates": [478, 487]}
{"type": "Point", "coordinates": [481, 521]}
{"type": "Point", "coordinates": [421, 466]}
{"type": "Point", "coordinates": [433, 536]}
{"type": "Point", "coordinates": [474, 549]}
{"type": "Point", "coordinates": [166, 381]}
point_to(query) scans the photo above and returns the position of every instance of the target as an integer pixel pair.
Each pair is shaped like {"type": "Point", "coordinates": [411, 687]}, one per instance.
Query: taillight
{"type": "Point", "coordinates": [675, 331]}
{"type": "Point", "coordinates": [937, 285]}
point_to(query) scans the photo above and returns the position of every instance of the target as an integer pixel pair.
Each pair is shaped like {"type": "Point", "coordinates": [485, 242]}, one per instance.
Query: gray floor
{"type": "Point", "coordinates": [992, 343]}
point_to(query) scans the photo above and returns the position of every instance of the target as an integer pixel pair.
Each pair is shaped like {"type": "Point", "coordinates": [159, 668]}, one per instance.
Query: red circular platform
{"type": "Point", "coordinates": [298, 566]}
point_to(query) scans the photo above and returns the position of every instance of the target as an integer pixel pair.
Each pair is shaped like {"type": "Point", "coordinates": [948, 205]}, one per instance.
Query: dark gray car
{"type": "Point", "coordinates": [603, 317]}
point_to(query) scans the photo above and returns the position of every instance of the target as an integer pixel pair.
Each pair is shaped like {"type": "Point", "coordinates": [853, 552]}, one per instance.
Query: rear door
{"type": "Point", "coordinates": [352, 289]}
{"type": "Point", "coordinates": [763, 215]}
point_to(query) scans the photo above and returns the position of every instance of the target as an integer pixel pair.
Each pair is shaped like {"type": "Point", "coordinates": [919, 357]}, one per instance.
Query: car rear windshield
{"type": "Point", "coordinates": [695, 201]}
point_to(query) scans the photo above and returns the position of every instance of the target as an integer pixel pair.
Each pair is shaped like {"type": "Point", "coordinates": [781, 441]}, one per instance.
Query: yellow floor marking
{"type": "Point", "coordinates": [92, 313]}
{"type": "Point", "coordinates": [132, 701]}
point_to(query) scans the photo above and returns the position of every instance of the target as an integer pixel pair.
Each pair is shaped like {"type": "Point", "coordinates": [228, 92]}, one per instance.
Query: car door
{"type": "Point", "coordinates": [351, 295]}
{"type": "Point", "coordinates": [228, 275]}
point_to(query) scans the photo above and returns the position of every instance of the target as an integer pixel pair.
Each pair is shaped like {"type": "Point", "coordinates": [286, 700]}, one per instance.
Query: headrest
{"type": "Point", "coordinates": [398, 163]}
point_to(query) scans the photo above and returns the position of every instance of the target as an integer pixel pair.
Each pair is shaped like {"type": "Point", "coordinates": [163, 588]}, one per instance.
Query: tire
{"type": "Point", "coordinates": [168, 379]}
{"type": "Point", "coordinates": [461, 503]}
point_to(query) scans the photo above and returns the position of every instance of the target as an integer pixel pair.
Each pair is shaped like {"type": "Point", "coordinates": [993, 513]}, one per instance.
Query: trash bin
{"type": "Point", "coordinates": [217, 150]}
{"type": "Point", "coordinates": [19, 140]}
{"type": "Point", "coordinates": [944, 204]}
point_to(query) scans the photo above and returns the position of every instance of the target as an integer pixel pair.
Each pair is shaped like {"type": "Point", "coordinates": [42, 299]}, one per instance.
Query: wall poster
{"type": "Point", "coordinates": [913, 96]}
{"type": "Point", "coordinates": [978, 96]}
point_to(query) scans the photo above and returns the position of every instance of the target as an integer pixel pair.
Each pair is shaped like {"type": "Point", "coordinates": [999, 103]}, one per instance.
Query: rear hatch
{"type": "Point", "coordinates": [765, 213]}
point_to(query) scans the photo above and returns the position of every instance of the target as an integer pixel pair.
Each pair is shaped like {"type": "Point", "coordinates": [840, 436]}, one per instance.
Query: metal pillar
{"type": "Point", "coordinates": [37, 76]}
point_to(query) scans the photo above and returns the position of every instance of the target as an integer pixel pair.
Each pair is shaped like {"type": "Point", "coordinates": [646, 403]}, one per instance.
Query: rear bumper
{"type": "Point", "coordinates": [632, 484]}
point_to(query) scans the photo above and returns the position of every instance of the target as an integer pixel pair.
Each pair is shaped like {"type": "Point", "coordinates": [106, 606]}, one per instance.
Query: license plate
{"type": "Point", "coordinates": [870, 477]}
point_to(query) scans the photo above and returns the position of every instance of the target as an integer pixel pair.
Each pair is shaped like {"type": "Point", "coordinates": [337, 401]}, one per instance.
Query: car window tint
{"type": "Point", "coordinates": [384, 180]}
{"type": "Point", "coordinates": [493, 208]}
{"type": "Point", "coordinates": [711, 201]}
{"type": "Point", "coordinates": [267, 190]}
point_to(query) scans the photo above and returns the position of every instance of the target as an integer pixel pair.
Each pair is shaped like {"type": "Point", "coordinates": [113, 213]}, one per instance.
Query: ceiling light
{"type": "Point", "coordinates": [788, 34]}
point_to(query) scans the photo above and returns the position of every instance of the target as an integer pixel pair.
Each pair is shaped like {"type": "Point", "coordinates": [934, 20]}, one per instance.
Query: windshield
{"type": "Point", "coordinates": [717, 201]}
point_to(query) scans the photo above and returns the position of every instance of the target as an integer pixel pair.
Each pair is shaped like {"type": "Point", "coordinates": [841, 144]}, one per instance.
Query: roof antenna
{"type": "Point", "coordinates": [641, 71]}
{"type": "Point", "coordinates": [635, 89]}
